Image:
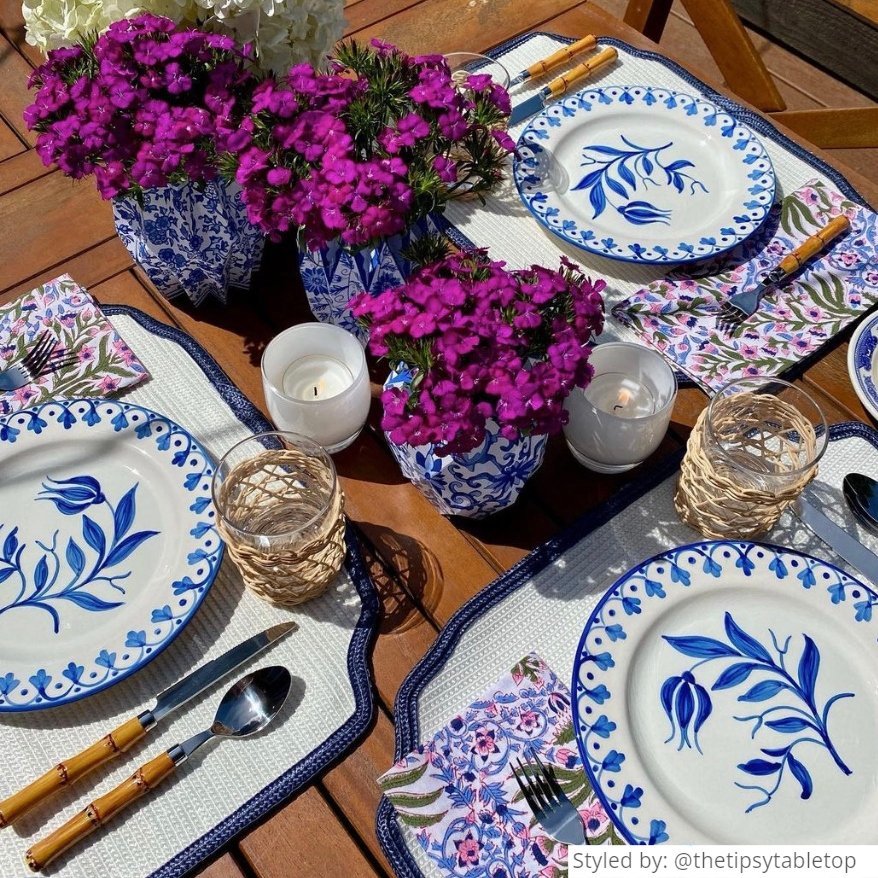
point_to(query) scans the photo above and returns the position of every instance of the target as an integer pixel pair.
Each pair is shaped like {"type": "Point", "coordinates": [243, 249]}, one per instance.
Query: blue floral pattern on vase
{"type": "Point", "coordinates": [332, 275]}
{"type": "Point", "coordinates": [684, 700]}
{"type": "Point", "coordinates": [94, 539]}
{"type": "Point", "coordinates": [618, 169]}
{"type": "Point", "coordinates": [89, 571]}
{"type": "Point", "coordinates": [190, 240]}
{"type": "Point", "coordinates": [477, 483]}
{"type": "Point", "coordinates": [789, 712]}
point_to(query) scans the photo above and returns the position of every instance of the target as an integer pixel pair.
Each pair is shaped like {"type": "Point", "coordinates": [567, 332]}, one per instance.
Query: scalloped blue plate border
{"type": "Point", "coordinates": [145, 425]}
{"type": "Point", "coordinates": [625, 792]}
{"type": "Point", "coordinates": [861, 356]}
{"type": "Point", "coordinates": [757, 178]}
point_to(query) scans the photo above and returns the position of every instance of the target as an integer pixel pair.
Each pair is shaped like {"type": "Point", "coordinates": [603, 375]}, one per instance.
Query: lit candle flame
{"type": "Point", "coordinates": [623, 399]}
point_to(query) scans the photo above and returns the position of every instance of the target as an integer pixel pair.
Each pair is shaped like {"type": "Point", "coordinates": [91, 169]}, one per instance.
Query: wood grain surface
{"type": "Point", "coordinates": [424, 566]}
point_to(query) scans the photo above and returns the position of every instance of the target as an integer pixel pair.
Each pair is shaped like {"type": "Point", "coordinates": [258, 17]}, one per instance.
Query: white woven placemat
{"type": "Point", "coordinates": [506, 226]}
{"type": "Point", "coordinates": [221, 779]}
{"type": "Point", "coordinates": [547, 613]}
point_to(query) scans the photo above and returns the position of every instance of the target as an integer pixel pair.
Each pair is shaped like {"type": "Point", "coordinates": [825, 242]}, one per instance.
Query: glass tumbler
{"type": "Point", "coordinates": [281, 512]}
{"type": "Point", "coordinates": [752, 452]}
{"type": "Point", "coordinates": [463, 64]}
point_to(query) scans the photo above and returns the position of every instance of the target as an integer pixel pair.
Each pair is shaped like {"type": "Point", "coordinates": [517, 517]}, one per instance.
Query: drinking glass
{"type": "Point", "coordinates": [752, 452]}
{"type": "Point", "coordinates": [462, 64]}
{"type": "Point", "coordinates": [281, 512]}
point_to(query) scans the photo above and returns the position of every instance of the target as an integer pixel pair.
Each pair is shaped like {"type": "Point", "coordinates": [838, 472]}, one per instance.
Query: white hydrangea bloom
{"type": "Point", "coordinates": [54, 23]}
{"type": "Point", "coordinates": [285, 32]}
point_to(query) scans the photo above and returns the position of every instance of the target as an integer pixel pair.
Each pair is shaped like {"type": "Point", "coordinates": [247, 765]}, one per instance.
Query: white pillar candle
{"type": "Point", "coordinates": [621, 417]}
{"type": "Point", "coordinates": [316, 377]}
{"type": "Point", "coordinates": [620, 395]}
{"type": "Point", "coordinates": [316, 383]}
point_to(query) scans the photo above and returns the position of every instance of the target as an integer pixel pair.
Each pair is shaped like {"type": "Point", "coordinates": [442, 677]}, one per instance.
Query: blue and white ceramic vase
{"type": "Point", "coordinates": [191, 240]}
{"type": "Point", "coordinates": [475, 484]}
{"type": "Point", "coordinates": [332, 276]}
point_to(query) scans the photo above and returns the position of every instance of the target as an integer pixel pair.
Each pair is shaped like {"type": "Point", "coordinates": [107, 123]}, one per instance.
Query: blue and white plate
{"type": "Point", "coordinates": [107, 545]}
{"type": "Point", "coordinates": [727, 693]}
{"type": "Point", "coordinates": [644, 174]}
{"type": "Point", "coordinates": [862, 365]}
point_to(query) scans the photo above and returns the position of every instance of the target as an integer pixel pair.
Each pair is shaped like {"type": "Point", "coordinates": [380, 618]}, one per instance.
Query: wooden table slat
{"type": "Point", "coordinates": [307, 841]}
{"type": "Point", "coordinates": [14, 94]}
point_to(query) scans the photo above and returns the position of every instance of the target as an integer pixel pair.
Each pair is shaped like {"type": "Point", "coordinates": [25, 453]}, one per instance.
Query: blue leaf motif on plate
{"type": "Point", "coordinates": [624, 172]}
{"type": "Point", "coordinates": [84, 575]}
{"type": "Point", "coordinates": [679, 696]}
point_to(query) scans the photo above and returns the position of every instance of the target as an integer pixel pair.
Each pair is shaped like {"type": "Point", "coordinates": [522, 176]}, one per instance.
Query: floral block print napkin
{"type": "Point", "coordinates": [458, 794]}
{"type": "Point", "coordinates": [103, 363]}
{"type": "Point", "coordinates": [677, 315]}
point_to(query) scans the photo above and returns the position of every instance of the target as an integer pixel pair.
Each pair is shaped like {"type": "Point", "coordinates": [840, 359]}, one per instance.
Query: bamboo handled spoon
{"type": "Point", "coordinates": [248, 707]}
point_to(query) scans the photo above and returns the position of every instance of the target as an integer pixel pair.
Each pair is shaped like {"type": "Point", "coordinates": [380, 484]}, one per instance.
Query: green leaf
{"type": "Point", "coordinates": [794, 214]}
{"type": "Point", "coordinates": [564, 734]}
{"type": "Point", "coordinates": [420, 821]}
{"type": "Point", "coordinates": [413, 800]}
{"type": "Point", "coordinates": [404, 778]}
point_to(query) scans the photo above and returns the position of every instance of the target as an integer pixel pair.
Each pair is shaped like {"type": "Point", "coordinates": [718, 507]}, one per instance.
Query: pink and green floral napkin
{"type": "Point", "coordinates": [677, 315]}
{"type": "Point", "coordinates": [458, 795]}
{"type": "Point", "coordinates": [102, 363]}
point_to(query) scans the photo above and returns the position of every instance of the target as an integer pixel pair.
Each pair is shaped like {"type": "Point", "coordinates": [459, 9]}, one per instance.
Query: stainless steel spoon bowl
{"type": "Point", "coordinates": [861, 494]}
{"type": "Point", "coordinates": [248, 707]}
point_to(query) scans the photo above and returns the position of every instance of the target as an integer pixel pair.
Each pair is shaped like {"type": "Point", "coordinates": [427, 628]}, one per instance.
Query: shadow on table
{"type": "Point", "coordinates": [406, 574]}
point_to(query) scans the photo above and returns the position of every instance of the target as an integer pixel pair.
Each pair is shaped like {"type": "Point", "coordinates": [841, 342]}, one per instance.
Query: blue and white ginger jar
{"type": "Point", "coordinates": [475, 484]}
{"type": "Point", "coordinates": [332, 276]}
{"type": "Point", "coordinates": [192, 240]}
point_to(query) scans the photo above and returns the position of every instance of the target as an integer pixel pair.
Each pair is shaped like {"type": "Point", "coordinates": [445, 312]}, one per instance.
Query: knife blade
{"type": "Point", "coordinates": [839, 540]}
{"type": "Point", "coordinates": [125, 736]}
{"type": "Point", "coordinates": [559, 86]}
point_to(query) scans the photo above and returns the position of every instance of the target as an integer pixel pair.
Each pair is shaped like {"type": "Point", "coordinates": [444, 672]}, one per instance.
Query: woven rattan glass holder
{"type": "Point", "coordinates": [750, 455]}
{"type": "Point", "coordinates": [281, 512]}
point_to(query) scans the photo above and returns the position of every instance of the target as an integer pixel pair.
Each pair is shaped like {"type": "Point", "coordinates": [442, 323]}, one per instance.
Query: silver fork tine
{"type": "Point", "coordinates": [548, 771]}
{"type": "Point", "coordinates": [42, 343]}
{"type": "Point", "coordinates": [525, 790]}
{"type": "Point", "coordinates": [56, 364]}
{"type": "Point", "coordinates": [35, 368]}
{"type": "Point", "coordinates": [542, 779]}
{"type": "Point", "coordinates": [551, 793]}
{"type": "Point", "coordinates": [535, 797]}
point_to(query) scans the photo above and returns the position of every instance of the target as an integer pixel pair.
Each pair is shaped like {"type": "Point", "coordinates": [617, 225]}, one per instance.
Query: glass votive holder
{"type": "Point", "coordinates": [463, 64]}
{"type": "Point", "coordinates": [316, 383]}
{"type": "Point", "coordinates": [280, 511]}
{"type": "Point", "coordinates": [622, 416]}
{"type": "Point", "coordinates": [751, 453]}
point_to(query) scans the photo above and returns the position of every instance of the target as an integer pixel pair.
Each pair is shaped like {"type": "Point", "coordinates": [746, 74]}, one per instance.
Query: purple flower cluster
{"type": "Point", "coordinates": [149, 103]}
{"type": "Point", "coordinates": [361, 152]}
{"type": "Point", "coordinates": [483, 342]}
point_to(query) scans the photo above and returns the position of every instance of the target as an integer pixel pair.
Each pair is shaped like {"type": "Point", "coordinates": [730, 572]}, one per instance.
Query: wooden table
{"type": "Point", "coordinates": [424, 565]}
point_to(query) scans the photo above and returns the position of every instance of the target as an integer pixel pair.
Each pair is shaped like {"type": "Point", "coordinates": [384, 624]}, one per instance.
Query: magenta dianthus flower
{"type": "Point", "coordinates": [484, 342]}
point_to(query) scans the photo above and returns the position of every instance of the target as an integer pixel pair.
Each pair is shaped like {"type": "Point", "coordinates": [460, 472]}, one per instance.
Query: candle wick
{"type": "Point", "coordinates": [618, 407]}
{"type": "Point", "coordinates": [315, 391]}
